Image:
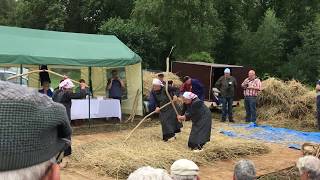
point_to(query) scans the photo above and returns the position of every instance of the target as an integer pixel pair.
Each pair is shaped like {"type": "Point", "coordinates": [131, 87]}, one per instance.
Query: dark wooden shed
{"type": "Point", "coordinates": [209, 73]}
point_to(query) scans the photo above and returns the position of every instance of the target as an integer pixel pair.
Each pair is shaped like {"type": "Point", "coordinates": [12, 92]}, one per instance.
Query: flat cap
{"type": "Point", "coordinates": [184, 167]}
{"type": "Point", "coordinates": [32, 127]}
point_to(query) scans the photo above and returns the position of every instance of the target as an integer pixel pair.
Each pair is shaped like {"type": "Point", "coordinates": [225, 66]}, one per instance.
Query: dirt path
{"type": "Point", "coordinates": [279, 158]}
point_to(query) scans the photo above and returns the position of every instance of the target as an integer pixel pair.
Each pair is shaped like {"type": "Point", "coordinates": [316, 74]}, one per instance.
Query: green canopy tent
{"type": "Point", "coordinates": [22, 46]}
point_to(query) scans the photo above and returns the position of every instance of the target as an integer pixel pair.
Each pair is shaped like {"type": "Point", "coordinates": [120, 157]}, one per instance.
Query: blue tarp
{"type": "Point", "coordinates": [290, 137]}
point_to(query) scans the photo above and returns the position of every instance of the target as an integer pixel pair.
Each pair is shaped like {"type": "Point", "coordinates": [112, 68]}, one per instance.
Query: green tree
{"type": "Point", "coordinates": [200, 57]}
{"type": "Point", "coordinates": [304, 61]}
{"type": "Point", "coordinates": [41, 14]}
{"type": "Point", "coordinates": [140, 37]}
{"type": "Point", "coordinates": [7, 9]}
{"type": "Point", "coordinates": [193, 26]}
{"type": "Point", "coordinates": [263, 49]}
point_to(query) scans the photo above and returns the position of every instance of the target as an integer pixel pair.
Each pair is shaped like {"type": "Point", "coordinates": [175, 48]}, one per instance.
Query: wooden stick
{"type": "Point", "coordinates": [129, 135]}
{"type": "Point", "coordinates": [37, 71]}
{"type": "Point", "coordinates": [171, 101]}
{"type": "Point", "coordinates": [134, 106]}
{"type": "Point", "coordinates": [24, 74]}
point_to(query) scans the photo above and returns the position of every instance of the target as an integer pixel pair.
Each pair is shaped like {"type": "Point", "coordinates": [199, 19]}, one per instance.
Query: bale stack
{"type": "Point", "coordinates": [286, 100]}
{"type": "Point", "coordinates": [149, 76]}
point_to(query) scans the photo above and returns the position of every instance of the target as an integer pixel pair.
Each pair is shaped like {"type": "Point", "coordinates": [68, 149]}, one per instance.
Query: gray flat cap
{"type": "Point", "coordinates": [32, 127]}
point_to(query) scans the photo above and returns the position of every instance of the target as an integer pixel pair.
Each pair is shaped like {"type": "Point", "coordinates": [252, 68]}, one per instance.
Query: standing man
{"type": "Point", "coordinates": [227, 85]}
{"type": "Point", "coordinates": [251, 86]}
{"type": "Point", "coordinates": [194, 86]}
{"type": "Point", "coordinates": [115, 86]}
{"type": "Point", "coordinates": [318, 102]}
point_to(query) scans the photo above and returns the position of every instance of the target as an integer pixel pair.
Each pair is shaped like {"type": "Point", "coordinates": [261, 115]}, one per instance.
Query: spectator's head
{"type": "Point", "coordinates": [170, 83]}
{"type": "Point", "coordinates": [187, 80]}
{"type": "Point", "coordinates": [149, 173]}
{"type": "Point", "coordinates": [156, 84]}
{"type": "Point", "coordinates": [244, 170]}
{"type": "Point", "coordinates": [82, 81]}
{"type": "Point", "coordinates": [227, 72]}
{"type": "Point", "coordinates": [114, 73]}
{"type": "Point", "coordinates": [184, 169]}
{"type": "Point", "coordinates": [46, 85]}
{"type": "Point", "coordinates": [66, 84]}
{"type": "Point", "coordinates": [161, 77]}
{"type": "Point", "coordinates": [188, 97]}
{"type": "Point", "coordinates": [309, 168]}
{"type": "Point", "coordinates": [252, 74]}
{"type": "Point", "coordinates": [30, 142]}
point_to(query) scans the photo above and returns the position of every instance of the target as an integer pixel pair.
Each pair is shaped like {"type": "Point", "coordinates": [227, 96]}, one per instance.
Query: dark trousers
{"type": "Point", "coordinates": [318, 111]}
{"type": "Point", "coordinates": [227, 108]}
{"type": "Point", "coordinates": [119, 98]}
{"type": "Point", "coordinates": [195, 146]}
{"type": "Point", "coordinates": [250, 103]}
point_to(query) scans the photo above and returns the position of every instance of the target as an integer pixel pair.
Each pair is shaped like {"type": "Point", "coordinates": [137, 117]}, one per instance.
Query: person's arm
{"type": "Point", "coordinates": [152, 102]}
{"type": "Point", "coordinates": [182, 88]}
{"type": "Point", "coordinates": [244, 85]}
{"type": "Point", "coordinates": [109, 84]}
{"type": "Point", "coordinates": [122, 83]}
{"type": "Point", "coordinates": [257, 85]}
{"type": "Point", "coordinates": [235, 83]}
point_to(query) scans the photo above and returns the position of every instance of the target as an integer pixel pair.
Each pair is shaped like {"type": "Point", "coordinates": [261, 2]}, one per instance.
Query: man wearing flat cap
{"type": "Point", "coordinates": [33, 129]}
{"type": "Point", "coordinates": [184, 169]}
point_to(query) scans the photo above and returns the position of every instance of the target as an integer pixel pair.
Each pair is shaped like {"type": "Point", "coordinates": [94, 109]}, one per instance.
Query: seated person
{"type": "Point", "coordinates": [184, 169]}
{"type": "Point", "coordinates": [46, 89]}
{"type": "Point", "coordinates": [78, 89]}
{"type": "Point", "coordinates": [244, 170]}
{"type": "Point", "coordinates": [149, 173]}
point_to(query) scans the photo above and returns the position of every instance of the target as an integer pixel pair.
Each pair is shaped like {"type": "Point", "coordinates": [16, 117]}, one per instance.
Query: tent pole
{"type": "Point", "coordinates": [90, 94]}
{"type": "Point", "coordinates": [21, 71]}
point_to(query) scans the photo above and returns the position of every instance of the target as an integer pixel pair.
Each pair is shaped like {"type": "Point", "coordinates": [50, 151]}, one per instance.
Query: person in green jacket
{"type": "Point", "coordinates": [226, 85]}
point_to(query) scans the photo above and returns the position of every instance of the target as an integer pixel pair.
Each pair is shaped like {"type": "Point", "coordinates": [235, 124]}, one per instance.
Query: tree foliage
{"type": "Point", "coordinates": [140, 37]}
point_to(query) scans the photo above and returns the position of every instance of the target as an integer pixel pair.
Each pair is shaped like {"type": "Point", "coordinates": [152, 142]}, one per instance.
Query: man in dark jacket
{"type": "Point", "coordinates": [168, 118]}
{"type": "Point", "coordinates": [115, 86]}
{"type": "Point", "coordinates": [227, 85]}
{"type": "Point", "coordinates": [200, 116]}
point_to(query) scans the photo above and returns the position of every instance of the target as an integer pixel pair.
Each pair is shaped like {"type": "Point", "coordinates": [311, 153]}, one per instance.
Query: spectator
{"type": "Point", "coordinates": [309, 168]}
{"type": "Point", "coordinates": [161, 78]}
{"type": "Point", "coordinates": [46, 89]}
{"type": "Point", "coordinates": [184, 169]}
{"type": "Point", "coordinates": [244, 170]}
{"type": "Point", "coordinates": [200, 116]}
{"type": "Point", "coordinates": [318, 103]}
{"type": "Point", "coordinates": [227, 85]}
{"type": "Point", "coordinates": [194, 86]}
{"type": "Point", "coordinates": [251, 86]}
{"type": "Point", "coordinates": [149, 173]}
{"type": "Point", "coordinates": [78, 89]}
{"type": "Point", "coordinates": [115, 86]}
{"type": "Point", "coordinates": [33, 131]}
{"type": "Point", "coordinates": [64, 96]}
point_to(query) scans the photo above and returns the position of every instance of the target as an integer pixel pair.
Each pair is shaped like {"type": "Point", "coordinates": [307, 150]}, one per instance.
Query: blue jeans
{"type": "Point", "coordinates": [227, 108]}
{"type": "Point", "coordinates": [250, 103]}
{"type": "Point", "coordinates": [318, 111]}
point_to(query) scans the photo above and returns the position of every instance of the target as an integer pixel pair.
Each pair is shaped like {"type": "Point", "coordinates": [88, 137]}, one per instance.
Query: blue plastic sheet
{"type": "Point", "coordinates": [291, 138]}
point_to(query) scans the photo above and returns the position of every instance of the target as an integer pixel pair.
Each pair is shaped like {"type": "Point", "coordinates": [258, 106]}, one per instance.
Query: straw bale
{"type": "Point", "coordinates": [114, 158]}
{"type": "Point", "coordinates": [149, 76]}
{"type": "Point", "coordinates": [286, 100]}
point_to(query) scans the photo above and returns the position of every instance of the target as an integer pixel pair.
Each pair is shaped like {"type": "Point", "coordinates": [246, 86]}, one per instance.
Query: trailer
{"type": "Point", "coordinates": [208, 74]}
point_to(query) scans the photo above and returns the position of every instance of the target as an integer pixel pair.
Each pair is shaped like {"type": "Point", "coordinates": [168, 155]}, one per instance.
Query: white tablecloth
{"type": "Point", "coordinates": [98, 108]}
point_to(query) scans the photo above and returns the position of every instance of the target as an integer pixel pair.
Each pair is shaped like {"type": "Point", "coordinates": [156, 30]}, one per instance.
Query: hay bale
{"type": "Point", "coordinates": [113, 158]}
{"type": "Point", "coordinates": [286, 100]}
{"type": "Point", "coordinates": [149, 76]}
